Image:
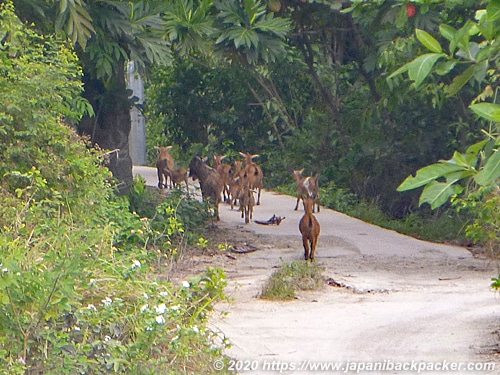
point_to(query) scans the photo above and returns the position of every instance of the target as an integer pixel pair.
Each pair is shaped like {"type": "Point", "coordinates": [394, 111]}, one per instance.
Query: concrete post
{"type": "Point", "coordinates": [137, 136]}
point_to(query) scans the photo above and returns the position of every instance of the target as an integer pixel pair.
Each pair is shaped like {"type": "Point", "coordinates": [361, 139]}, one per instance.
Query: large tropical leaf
{"type": "Point", "coordinates": [76, 21]}
{"type": "Point", "coordinates": [247, 27]}
{"type": "Point", "coordinates": [437, 193]}
{"type": "Point", "coordinates": [428, 41]}
{"type": "Point", "coordinates": [460, 81]}
{"type": "Point", "coordinates": [489, 111]}
{"type": "Point", "coordinates": [420, 68]}
{"type": "Point", "coordinates": [493, 10]}
{"type": "Point", "coordinates": [189, 26]}
{"type": "Point", "coordinates": [448, 32]}
{"type": "Point", "coordinates": [491, 171]}
{"type": "Point", "coordinates": [274, 25]}
{"type": "Point", "coordinates": [428, 174]}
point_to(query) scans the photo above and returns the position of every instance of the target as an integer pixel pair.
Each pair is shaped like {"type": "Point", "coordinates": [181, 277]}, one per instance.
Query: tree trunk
{"type": "Point", "coordinates": [110, 127]}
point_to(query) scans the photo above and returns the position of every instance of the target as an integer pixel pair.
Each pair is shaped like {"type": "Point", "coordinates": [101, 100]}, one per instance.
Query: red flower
{"type": "Point", "coordinates": [410, 9]}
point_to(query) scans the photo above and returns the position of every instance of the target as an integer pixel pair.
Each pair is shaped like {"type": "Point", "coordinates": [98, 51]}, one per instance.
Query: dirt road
{"type": "Point", "coordinates": [408, 303]}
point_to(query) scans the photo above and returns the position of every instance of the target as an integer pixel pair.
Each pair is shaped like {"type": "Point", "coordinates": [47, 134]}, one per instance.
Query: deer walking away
{"type": "Point", "coordinates": [309, 228]}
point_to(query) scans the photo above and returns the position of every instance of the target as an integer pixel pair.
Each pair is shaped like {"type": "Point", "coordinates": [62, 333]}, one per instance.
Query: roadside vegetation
{"type": "Point", "coordinates": [291, 277]}
{"type": "Point", "coordinates": [84, 281]}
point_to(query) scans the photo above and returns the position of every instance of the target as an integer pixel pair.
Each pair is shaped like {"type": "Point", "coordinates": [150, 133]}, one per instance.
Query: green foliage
{"type": "Point", "coordinates": [253, 31]}
{"type": "Point", "coordinates": [293, 276]}
{"type": "Point", "coordinates": [476, 173]}
{"type": "Point", "coordinates": [77, 20]}
{"type": "Point", "coordinates": [459, 167]}
{"type": "Point", "coordinates": [481, 161]}
{"type": "Point", "coordinates": [336, 198]}
{"type": "Point", "coordinates": [197, 104]}
{"type": "Point", "coordinates": [77, 291]}
{"type": "Point", "coordinates": [484, 205]}
{"type": "Point", "coordinates": [188, 25]}
{"type": "Point", "coordinates": [444, 226]}
{"type": "Point", "coordinates": [55, 86]}
{"type": "Point", "coordinates": [495, 282]}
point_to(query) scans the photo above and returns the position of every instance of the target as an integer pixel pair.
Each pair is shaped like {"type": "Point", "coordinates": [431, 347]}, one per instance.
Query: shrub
{"type": "Point", "coordinates": [484, 206]}
{"type": "Point", "coordinates": [292, 276]}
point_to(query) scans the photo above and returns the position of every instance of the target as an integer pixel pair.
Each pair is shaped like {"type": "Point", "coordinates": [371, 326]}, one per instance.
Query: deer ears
{"type": "Point", "coordinates": [166, 148]}
{"type": "Point", "coordinates": [252, 156]}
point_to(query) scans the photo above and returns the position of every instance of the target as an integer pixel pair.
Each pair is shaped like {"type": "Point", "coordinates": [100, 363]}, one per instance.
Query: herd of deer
{"type": "Point", "coordinates": [237, 183]}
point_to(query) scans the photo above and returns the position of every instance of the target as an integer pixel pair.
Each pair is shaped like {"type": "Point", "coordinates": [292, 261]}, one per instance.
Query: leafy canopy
{"type": "Point", "coordinates": [472, 59]}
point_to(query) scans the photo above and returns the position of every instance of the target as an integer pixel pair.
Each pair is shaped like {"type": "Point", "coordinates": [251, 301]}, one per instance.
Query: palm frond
{"type": "Point", "coordinates": [76, 21]}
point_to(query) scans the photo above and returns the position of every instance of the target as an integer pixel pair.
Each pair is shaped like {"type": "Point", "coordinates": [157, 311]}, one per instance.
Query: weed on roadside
{"type": "Point", "coordinates": [293, 276]}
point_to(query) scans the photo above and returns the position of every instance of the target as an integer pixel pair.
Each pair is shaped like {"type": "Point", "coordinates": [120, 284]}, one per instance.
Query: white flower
{"type": "Point", "coordinates": [135, 264]}
{"type": "Point", "coordinates": [149, 329]}
{"type": "Point", "coordinates": [107, 301]}
{"type": "Point", "coordinates": [4, 270]}
{"type": "Point", "coordinates": [160, 309]}
{"type": "Point", "coordinates": [174, 339]}
{"type": "Point", "coordinates": [163, 294]}
{"type": "Point", "coordinates": [145, 295]}
{"type": "Point", "coordinates": [175, 308]}
{"type": "Point", "coordinates": [91, 282]}
{"type": "Point", "coordinates": [107, 338]}
{"type": "Point", "coordinates": [144, 307]}
{"type": "Point", "coordinates": [196, 330]}
{"type": "Point", "coordinates": [160, 319]}
{"type": "Point", "coordinates": [76, 328]}
{"type": "Point", "coordinates": [186, 284]}
{"type": "Point", "coordinates": [91, 307]}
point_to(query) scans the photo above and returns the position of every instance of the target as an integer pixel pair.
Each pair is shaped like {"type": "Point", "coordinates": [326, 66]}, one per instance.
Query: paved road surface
{"type": "Point", "coordinates": [407, 300]}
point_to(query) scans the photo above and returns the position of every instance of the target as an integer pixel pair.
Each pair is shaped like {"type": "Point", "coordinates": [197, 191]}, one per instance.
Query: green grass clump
{"type": "Point", "coordinates": [293, 276]}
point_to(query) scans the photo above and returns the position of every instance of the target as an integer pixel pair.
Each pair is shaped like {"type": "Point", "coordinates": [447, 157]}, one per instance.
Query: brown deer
{"type": "Point", "coordinates": [164, 164]}
{"type": "Point", "coordinates": [177, 176]}
{"type": "Point", "coordinates": [225, 171]}
{"type": "Point", "coordinates": [306, 187]}
{"type": "Point", "coordinates": [254, 173]}
{"type": "Point", "coordinates": [246, 198]}
{"type": "Point", "coordinates": [309, 228]}
{"type": "Point", "coordinates": [247, 202]}
{"type": "Point", "coordinates": [210, 182]}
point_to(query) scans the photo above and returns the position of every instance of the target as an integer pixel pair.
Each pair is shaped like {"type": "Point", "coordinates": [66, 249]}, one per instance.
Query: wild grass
{"type": "Point", "coordinates": [293, 276]}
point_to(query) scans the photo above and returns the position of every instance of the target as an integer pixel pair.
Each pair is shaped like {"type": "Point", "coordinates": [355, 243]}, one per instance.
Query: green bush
{"type": "Point", "coordinates": [483, 206]}
{"type": "Point", "coordinates": [78, 292]}
{"type": "Point", "coordinates": [292, 276]}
